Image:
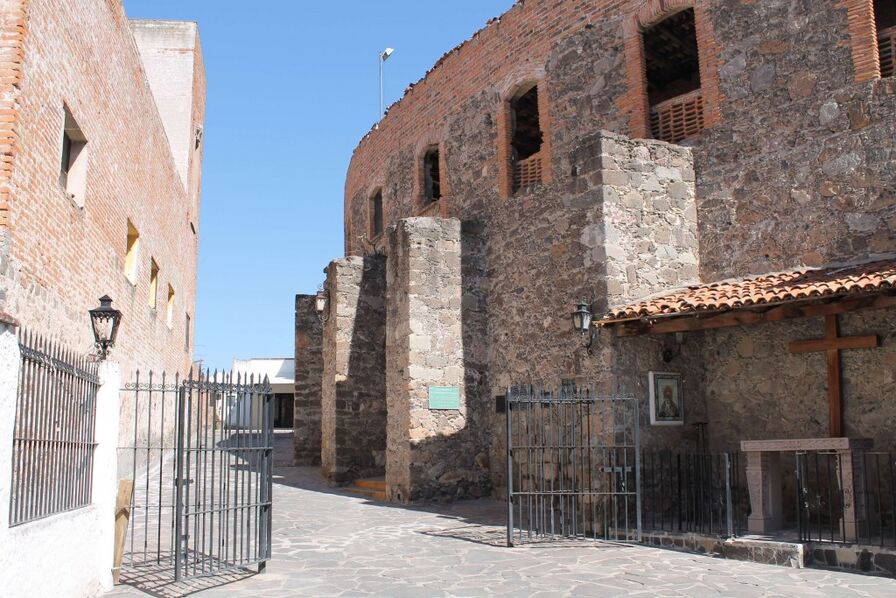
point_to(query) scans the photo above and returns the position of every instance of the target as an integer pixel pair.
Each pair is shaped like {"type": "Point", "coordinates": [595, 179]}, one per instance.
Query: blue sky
{"type": "Point", "coordinates": [292, 87]}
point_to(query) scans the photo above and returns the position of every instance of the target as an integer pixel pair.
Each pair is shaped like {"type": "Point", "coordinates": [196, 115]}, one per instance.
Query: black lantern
{"type": "Point", "coordinates": [105, 320]}
{"type": "Point", "coordinates": [581, 321]}
{"type": "Point", "coordinates": [581, 317]}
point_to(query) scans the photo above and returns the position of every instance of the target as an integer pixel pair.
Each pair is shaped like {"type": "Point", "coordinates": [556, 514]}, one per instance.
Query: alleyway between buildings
{"type": "Point", "coordinates": [330, 543]}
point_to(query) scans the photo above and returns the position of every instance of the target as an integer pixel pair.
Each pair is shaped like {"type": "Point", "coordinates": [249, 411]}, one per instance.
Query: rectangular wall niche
{"type": "Point", "coordinates": [432, 179]}
{"type": "Point", "coordinates": [132, 250]}
{"type": "Point", "coordinates": [153, 283]}
{"type": "Point", "coordinates": [169, 312]}
{"type": "Point", "coordinates": [376, 214]}
{"type": "Point", "coordinates": [885, 23]}
{"type": "Point", "coordinates": [526, 140]}
{"type": "Point", "coordinates": [73, 167]}
{"type": "Point", "coordinates": [673, 78]}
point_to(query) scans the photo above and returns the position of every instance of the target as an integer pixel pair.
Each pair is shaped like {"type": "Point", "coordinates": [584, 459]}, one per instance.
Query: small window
{"type": "Point", "coordinates": [187, 334]}
{"type": "Point", "coordinates": [170, 311]}
{"type": "Point", "coordinates": [73, 167]}
{"type": "Point", "coordinates": [131, 253]}
{"type": "Point", "coordinates": [432, 180]}
{"type": "Point", "coordinates": [376, 214]}
{"type": "Point", "coordinates": [526, 140]}
{"type": "Point", "coordinates": [885, 23]}
{"type": "Point", "coordinates": [673, 78]}
{"type": "Point", "coordinates": [153, 283]}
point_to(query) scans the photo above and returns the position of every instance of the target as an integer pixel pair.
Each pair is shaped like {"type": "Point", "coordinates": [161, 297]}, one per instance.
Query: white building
{"type": "Point", "coordinates": [281, 375]}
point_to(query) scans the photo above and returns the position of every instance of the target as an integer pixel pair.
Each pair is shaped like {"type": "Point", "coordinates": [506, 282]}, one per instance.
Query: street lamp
{"type": "Point", "coordinates": [320, 304]}
{"type": "Point", "coordinates": [581, 321]}
{"type": "Point", "coordinates": [105, 320]}
{"type": "Point", "coordinates": [384, 56]}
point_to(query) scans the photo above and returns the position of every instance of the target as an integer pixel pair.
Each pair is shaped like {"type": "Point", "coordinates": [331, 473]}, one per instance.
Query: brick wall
{"type": "Point", "coordinates": [62, 257]}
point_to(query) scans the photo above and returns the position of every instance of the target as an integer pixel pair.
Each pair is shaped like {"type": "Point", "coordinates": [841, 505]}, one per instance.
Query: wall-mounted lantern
{"type": "Point", "coordinates": [581, 321]}
{"type": "Point", "coordinates": [105, 320]}
{"type": "Point", "coordinates": [320, 304]}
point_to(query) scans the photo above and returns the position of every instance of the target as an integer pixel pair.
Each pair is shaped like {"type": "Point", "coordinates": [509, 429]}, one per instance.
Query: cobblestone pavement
{"type": "Point", "coordinates": [330, 543]}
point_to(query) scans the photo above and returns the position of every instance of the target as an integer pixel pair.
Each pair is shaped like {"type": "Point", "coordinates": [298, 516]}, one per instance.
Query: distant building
{"type": "Point", "coordinates": [281, 375]}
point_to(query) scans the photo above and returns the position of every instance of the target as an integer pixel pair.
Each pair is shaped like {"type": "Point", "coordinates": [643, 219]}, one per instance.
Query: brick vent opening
{"type": "Point", "coordinates": [527, 172]}
{"type": "Point", "coordinates": [885, 21]}
{"type": "Point", "coordinates": [526, 140]}
{"type": "Point", "coordinates": [673, 78]}
{"type": "Point", "coordinates": [678, 118]}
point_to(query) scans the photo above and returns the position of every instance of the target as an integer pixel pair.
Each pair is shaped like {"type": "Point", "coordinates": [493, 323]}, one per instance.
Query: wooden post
{"type": "Point", "coordinates": [122, 517]}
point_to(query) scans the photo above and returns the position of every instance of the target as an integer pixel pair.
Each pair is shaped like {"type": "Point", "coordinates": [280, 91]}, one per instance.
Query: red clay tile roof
{"type": "Point", "coordinates": [782, 287]}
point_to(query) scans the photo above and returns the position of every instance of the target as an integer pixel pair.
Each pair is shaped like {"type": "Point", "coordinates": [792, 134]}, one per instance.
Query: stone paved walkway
{"type": "Point", "coordinates": [329, 543]}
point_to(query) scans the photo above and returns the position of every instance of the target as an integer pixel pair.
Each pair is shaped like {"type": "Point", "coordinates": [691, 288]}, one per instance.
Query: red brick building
{"type": "Point", "coordinates": [101, 159]}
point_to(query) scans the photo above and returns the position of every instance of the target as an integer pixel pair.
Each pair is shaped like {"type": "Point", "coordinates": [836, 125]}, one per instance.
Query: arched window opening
{"type": "Point", "coordinates": [526, 140]}
{"type": "Point", "coordinates": [672, 63]}
{"type": "Point", "coordinates": [885, 23]}
{"type": "Point", "coordinates": [376, 214]}
{"type": "Point", "coordinates": [432, 179]}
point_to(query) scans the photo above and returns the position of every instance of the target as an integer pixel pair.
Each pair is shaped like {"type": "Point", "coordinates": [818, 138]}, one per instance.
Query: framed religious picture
{"type": "Point", "coordinates": [666, 405]}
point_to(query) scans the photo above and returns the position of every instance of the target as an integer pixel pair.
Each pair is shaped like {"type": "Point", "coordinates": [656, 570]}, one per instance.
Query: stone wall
{"type": "Point", "coordinates": [309, 367]}
{"type": "Point", "coordinates": [794, 139]}
{"type": "Point", "coordinates": [756, 389]}
{"type": "Point", "coordinates": [800, 168]}
{"type": "Point", "coordinates": [649, 217]}
{"type": "Point", "coordinates": [795, 169]}
{"type": "Point", "coordinates": [353, 403]}
{"type": "Point", "coordinates": [431, 452]}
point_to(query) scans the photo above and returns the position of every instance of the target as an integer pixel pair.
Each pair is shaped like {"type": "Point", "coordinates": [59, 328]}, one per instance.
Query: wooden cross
{"type": "Point", "coordinates": [833, 343]}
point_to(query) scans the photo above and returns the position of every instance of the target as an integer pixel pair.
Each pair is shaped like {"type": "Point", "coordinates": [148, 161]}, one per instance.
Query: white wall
{"type": "Point", "coordinates": [69, 554]}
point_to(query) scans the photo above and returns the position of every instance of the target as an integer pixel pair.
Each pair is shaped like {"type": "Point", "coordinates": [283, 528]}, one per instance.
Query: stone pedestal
{"type": "Point", "coordinates": [764, 480]}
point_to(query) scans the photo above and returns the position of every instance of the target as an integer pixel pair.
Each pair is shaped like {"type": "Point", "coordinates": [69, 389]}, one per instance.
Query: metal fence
{"type": "Point", "coordinates": [846, 498]}
{"type": "Point", "coordinates": [201, 458]}
{"type": "Point", "coordinates": [696, 493]}
{"type": "Point", "coordinates": [572, 466]}
{"type": "Point", "coordinates": [53, 438]}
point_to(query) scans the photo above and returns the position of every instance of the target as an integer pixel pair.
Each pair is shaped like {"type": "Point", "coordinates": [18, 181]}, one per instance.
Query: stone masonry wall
{"type": "Point", "coordinates": [353, 404]}
{"type": "Point", "coordinates": [431, 453]}
{"type": "Point", "coordinates": [639, 191]}
{"type": "Point", "coordinates": [649, 217]}
{"type": "Point", "coordinates": [60, 257]}
{"type": "Point", "coordinates": [800, 169]}
{"type": "Point", "coordinates": [796, 167]}
{"type": "Point", "coordinates": [309, 367]}
{"type": "Point", "coordinates": [756, 389]}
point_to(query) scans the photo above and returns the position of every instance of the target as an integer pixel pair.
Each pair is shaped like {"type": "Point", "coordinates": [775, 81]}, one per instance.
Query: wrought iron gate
{"type": "Point", "coordinates": [573, 466]}
{"type": "Point", "coordinates": [200, 455]}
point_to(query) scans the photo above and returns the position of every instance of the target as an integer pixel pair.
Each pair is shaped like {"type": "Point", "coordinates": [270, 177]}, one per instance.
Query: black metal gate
{"type": "Point", "coordinates": [573, 466]}
{"type": "Point", "coordinates": [200, 455]}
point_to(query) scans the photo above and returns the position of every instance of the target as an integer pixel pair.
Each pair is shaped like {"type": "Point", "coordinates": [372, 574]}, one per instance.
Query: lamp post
{"type": "Point", "coordinates": [384, 56]}
{"type": "Point", "coordinates": [105, 320]}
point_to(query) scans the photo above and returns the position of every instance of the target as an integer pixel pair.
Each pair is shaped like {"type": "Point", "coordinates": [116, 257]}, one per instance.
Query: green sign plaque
{"type": "Point", "coordinates": [444, 397]}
